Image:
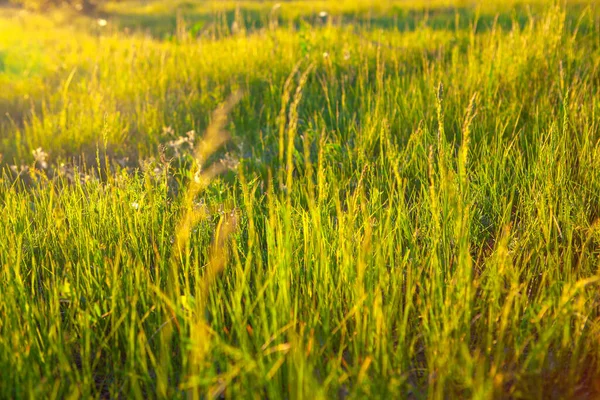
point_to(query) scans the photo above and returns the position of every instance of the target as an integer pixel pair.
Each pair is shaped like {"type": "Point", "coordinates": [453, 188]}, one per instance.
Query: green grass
{"type": "Point", "coordinates": [403, 202]}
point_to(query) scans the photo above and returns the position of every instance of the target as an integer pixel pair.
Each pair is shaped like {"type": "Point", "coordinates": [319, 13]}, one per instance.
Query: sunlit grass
{"type": "Point", "coordinates": [402, 204]}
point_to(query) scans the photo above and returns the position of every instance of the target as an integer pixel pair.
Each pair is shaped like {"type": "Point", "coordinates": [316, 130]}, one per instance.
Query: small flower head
{"type": "Point", "coordinates": [40, 157]}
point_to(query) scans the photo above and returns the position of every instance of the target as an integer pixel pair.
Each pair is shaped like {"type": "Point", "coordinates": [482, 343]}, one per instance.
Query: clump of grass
{"type": "Point", "coordinates": [413, 209]}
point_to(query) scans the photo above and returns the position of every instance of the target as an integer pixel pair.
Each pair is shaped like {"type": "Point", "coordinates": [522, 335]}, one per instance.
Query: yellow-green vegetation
{"type": "Point", "coordinates": [304, 199]}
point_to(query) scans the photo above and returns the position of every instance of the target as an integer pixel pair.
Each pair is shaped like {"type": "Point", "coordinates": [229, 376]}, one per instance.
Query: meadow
{"type": "Point", "coordinates": [301, 200]}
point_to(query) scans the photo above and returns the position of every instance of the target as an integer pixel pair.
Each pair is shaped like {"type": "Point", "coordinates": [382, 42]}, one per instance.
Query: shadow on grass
{"type": "Point", "coordinates": [217, 24]}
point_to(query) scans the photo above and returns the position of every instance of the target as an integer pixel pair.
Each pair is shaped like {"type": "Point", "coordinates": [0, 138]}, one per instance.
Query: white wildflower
{"type": "Point", "coordinates": [40, 157]}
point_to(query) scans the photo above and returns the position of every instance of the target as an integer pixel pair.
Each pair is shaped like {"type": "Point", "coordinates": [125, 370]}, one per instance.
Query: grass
{"type": "Point", "coordinates": [236, 200]}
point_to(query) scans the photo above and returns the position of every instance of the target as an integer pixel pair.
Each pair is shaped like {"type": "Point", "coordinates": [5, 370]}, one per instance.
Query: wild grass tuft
{"type": "Point", "coordinates": [404, 202]}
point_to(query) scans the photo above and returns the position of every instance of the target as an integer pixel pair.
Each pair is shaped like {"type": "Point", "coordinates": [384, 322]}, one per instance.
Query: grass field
{"type": "Point", "coordinates": [305, 199]}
